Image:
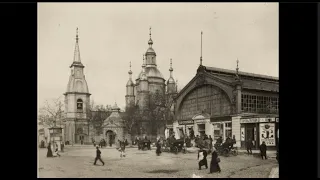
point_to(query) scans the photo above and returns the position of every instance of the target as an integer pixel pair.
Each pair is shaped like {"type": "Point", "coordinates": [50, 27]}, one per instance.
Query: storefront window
{"type": "Point", "coordinates": [217, 132]}
{"type": "Point", "coordinates": [228, 130]}
{"type": "Point", "coordinates": [201, 129]}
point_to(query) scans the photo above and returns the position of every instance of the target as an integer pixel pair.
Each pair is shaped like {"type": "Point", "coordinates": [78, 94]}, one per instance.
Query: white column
{"type": "Point", "coordinates": [236, 130]}
{"type": "Point", "coordinates": [224, 130]}
{"type": "Point", "coordinates": [196, 131]}
{"type": "Point", "coordinates": [208, 128]}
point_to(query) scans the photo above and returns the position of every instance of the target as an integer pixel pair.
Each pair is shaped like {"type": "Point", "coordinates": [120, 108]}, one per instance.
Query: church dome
{"type": "Point", "coordinates": [143, 76]}
{"type": "Point", "coordinates": [150, 50]}
{"type": "Point", "coordinates": [77, 85]}
{"type": "Point", "coordinates": [152, 72]}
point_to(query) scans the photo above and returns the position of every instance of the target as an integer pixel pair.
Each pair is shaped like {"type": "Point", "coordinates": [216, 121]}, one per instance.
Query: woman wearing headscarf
{"type": "Point", "coordinates": [49, 152]}
{"type": "Point", "coordinates": [214, 165]}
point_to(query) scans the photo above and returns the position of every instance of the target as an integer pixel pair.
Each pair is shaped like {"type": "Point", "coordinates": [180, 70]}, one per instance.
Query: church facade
{"type": "Point", "coordinates": [149, 87]}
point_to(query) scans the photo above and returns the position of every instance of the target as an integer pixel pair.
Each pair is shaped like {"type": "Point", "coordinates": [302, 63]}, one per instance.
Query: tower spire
{"type": "Point", "coordinates": [237, 70]}
{"type": "Point", "coordinates": [76, 57]}
{"type": "Point", "coordinates": [171, 69]}
{"type": "Point", "coordinates": [130, 72]}
{"type": "Point", "coordinates": [150, 42]}
{"type": "Point", "coordinates": [201, 50]}
{"type": "Point", "coordinates": [143, 62]}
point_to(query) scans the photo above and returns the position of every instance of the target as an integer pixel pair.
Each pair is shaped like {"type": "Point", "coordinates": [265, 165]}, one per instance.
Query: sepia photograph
{"type": "Point", "coordinates": [158, 90]}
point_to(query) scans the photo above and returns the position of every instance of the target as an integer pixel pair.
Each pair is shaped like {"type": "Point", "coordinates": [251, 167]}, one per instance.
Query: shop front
{"type": "Point", "coordinates": [259, 130]}
{"type": "Point", "coordinates": [186, 128]}
{"type": "Point", "coordinates": [202, 125]}
{"type": "Point", "coordinates": [168, 131]}
{"type": "Point", "coordinates": [222, 129]}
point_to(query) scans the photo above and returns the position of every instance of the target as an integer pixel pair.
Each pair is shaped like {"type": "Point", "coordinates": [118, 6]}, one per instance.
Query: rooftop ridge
{"type": "Point", "coordinates": [241, 73]}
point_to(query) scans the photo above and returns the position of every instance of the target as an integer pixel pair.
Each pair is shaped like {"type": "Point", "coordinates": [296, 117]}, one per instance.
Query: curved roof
{"type": "Point", "coordinates": [152, 72]}
{"type": "Point", "coordinates": [130, 83]}
{"type": "Point", "coordinates": [77, 85]}
{"type": "Point", "coordinates": [171, 81]}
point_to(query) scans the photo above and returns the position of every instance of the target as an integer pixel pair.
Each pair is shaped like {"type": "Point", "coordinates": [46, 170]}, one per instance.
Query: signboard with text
{"type": "Point", "coordinates": [257, 120]}
{"type": "Point", "coordinates": [186, 122]}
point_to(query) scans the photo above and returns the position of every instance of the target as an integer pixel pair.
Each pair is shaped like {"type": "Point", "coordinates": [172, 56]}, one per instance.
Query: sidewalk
{"type": "Point", "coordinates": [274, 172]}
{"type": "Point", "coordinates": [270, 153]}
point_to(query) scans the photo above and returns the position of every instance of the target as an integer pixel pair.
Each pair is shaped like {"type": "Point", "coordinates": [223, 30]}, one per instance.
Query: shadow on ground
{"type": "Point", "coordinates": [163, 171]}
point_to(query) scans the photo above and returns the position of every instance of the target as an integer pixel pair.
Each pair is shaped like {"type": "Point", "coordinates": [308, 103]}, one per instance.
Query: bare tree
{"type": "Point", "coordinates": [51, 112]}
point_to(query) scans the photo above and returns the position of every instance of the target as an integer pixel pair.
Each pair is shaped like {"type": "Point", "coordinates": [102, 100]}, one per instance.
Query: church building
{"type": "Point", "coordinates": [149, 87]}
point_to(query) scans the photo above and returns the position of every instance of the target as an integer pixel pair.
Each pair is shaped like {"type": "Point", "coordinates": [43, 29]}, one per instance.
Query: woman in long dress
{"type": "Point", "coordinates": [214, 165]}
{"type": "Point", "coordinates": [49, 152]}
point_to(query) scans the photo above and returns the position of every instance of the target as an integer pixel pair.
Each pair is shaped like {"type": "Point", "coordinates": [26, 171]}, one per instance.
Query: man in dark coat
{"type": "Point", "coordinates": [263, 150]}
{"type": "Point", "coordinates": [158, 144]}
{"type": "Point", "coordinates": [219, 140]}
{"type": "Point", "coordinates": [249, 146]}
{"type": "Point", "coordinates": [202, 158]}
{"type": "Point", "coordinates": [214, 165]}
{"type": "Point", "coordinates": [49, 152]}
{"type": "Point", "coordinates": [98, 157]}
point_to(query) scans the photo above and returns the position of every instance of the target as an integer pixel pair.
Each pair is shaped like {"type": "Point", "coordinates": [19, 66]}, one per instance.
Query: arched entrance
{"type": "Point", "coordinates": [110, 137]}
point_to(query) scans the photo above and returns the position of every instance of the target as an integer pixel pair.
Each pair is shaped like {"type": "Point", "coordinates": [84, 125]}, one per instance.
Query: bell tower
{"type": "Point", "coordinates": [77, 100]}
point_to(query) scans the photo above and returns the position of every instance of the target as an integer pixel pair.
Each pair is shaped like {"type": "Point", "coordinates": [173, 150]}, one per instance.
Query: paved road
{"type": "Point", "coordinates": [77, 162]}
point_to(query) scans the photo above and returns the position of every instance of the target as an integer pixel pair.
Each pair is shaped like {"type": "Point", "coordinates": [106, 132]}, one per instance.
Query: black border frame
{"type": "Point", "coordinates": [298, 77]}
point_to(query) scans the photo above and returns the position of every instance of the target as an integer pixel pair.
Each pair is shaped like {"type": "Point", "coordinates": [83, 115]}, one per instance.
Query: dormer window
{"type": "Point", "coordinates": [79, 105]}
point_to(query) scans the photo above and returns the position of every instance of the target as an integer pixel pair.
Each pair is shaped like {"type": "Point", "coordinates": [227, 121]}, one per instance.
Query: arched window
{"type": "Point", "coordinates": [79, 105]}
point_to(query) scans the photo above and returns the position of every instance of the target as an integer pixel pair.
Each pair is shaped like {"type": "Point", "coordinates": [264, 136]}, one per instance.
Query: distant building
{"type": "Point", "coordinates": [227, 103]}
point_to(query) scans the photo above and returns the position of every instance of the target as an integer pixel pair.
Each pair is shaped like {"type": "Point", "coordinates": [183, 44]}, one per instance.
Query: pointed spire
{"type": "Point", "coordinates": [237, 70]}
{"type": "Point", "coordinates": [150, 42]}
{"type": "Point", "coordinates": [177, 85]}
{"type": "Point", "coordinates": [171, 69]}
{"type": "Point", "coordinates": [143, 62]}
{"type": "Point", "coordinates": [130, 72]}
{"type": "Point", "coordinates": [76, 57]}
{"type": "Point", "coordinates": [201, 50]}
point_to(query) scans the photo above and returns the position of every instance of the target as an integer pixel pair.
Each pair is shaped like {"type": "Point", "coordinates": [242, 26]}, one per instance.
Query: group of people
{"type": "Point", "coordinates": [214, 164]}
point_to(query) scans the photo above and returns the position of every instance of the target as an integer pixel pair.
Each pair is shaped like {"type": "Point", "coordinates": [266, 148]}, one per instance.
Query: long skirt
{"type": "Point", "coordinates": [203, 162]}
{"type": "Point", "coordinates": [49, 153]}
{"type": "Point", "coordinates": [214, 167]}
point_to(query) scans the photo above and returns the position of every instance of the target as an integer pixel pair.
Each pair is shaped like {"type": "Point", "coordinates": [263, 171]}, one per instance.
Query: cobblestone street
{"type": "Point", "coordinates": [77, 162]}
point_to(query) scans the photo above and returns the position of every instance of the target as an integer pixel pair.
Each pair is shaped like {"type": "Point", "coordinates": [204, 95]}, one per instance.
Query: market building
{"type": "Point", "coordinates": [228, 103]}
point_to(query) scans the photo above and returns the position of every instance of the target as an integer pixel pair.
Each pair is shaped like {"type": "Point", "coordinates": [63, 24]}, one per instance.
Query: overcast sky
{"type": "Point", "coordinates": [113, 34]}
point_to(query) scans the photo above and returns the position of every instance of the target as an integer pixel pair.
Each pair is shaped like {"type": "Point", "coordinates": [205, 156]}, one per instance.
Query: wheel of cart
{"type": "Point", "coordinates": [225, 152]}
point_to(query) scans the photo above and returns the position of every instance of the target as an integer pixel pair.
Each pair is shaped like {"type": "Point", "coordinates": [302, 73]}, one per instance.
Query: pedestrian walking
{"type": "Point", "coordinates": [263, 150]}
{"type": "Point", "coordinates": [122, 149]}
{"type": "Point", "coordinates": [202, 158]}
{"type": "Point", "coordinates": [62, 146]}
{"type": "Point", "coordinates": [215, 160]}
{"type": "Point", "coordinates": [49, 152]}
{"type": "Point", "coordinates": [98, 157]}
{"type": "Point", "coordinates": [158, 145]}
{"type": "Point", "coordinates": [249, 146]}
